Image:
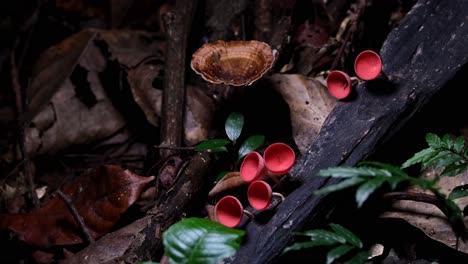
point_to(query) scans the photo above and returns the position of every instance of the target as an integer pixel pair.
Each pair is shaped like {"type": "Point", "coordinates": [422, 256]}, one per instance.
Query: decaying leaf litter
{"type": "Point", "coordinates": [92, 101]}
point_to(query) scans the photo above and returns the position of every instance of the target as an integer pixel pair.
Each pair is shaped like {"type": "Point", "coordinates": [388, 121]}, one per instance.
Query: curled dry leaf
{"type": "Point", "coordinates": [199, 114]}
{"type": "Point", "coordinates": [309, 105]}
{"type": "Point", "coordinates": [100, 196]}
{"type": "Point", "coordinates": [230, 181]}
{"type": "Point", "coordinates": [427, 217]}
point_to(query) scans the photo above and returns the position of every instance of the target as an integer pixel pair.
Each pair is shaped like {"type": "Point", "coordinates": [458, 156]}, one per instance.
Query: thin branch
{"type": "Point", "coordinates": [84, 228]}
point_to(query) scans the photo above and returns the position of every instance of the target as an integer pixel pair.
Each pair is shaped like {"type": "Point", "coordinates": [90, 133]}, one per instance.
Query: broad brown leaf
{"type": "Point", "coordinates": [309, 105]}
{"type": "Point", "coordinates": [100, 196]}
{"type": "Point", "coordinates": [230, 181]}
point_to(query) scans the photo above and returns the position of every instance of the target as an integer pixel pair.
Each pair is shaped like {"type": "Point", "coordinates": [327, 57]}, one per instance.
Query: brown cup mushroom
{"type": "Point", "coordinates": [235, 63]}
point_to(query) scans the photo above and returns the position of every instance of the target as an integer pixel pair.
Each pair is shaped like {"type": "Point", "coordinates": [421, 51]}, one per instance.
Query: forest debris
{"type": "Point", "coordinates": [199, 115]}
{"type": "Point", "coordinates": [309, 105]}
{"type": "Point", "coordinates": [70, 101]}
{"type": "Point", "coordinates": [427, 217]}
{"type": "Point", "coordinates": [100, 196]}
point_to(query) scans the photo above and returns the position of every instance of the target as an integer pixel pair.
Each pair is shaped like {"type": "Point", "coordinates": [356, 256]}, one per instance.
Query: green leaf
{"type": "Point", "coordinates": [251, 144]}
{"type": "Point", "coordinates": [448, 160]}
{"type": "Point", "coordinates": [337, 252]}
{"type": "Point", "coordinates": [215, 145]}
{"type": "Point", "coordinates": [348, 235]}
{"type": "Point", "coordinates": [459, 192]}
{"type": "Point", "coordinates": [340, 186]}
{"type": "Point", "coordinates": [325, 237]}
{"type": "Point", "coordinates": [359, 258]}
{"type": "Point", "coordinates": [198, 240]}
{"type": "Point", "coordinates": [446, 141]}
{"type": "Point", "coordinates": [233, 126]}
{"type": "Point", "coordinates": [459, 144]}
{"type": "Point", "coordinates": [418, 157]}
{"type": "Point", "coordinates": [304, 245]}
{"type": "Point", "coordinates": [433, 141]}
{"type": "Point", "coordinates": [394, 170]}
{"type": "Point", "coordinates": [346, 172]}
{"type": "Point", "coordinates": [454, 169]}
{"type": "Point", "coordinates": [440, 155]}
{"type": "Point", "coordinates": [367, 189]}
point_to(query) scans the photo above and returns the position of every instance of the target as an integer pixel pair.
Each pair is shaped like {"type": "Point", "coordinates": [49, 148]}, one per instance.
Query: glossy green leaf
{"type": "Point", "coordinates": [340, 186]}
{"type": "Point", "coordinates": [350, 238]}
{"type": "Point", "coordinates": [359, 258]}
{"type": "Point", "coordinates": [433, 141]}
{"type": "Point", "coordinates": [337, 252]}
{"type": "Point", "coordinates": [233, 126]}
{"type": "Point", "coordinates": [250, 144]}
{"type": "Point", "coordinates": [459, 144]}
{"type": "Point", "coordinates": [214, 145]}
{"type": "Point", "coordinates": [394, 170]}
{"type": "Point", "coordinates": [459, 192]}
{"type": "Point", "coordinates": [418, 157]}
{"type": "Point", "coordinates": [448, 160]}
{"type": "Point", "coordinates": [367, 189]}
{"type": "Point", "coordinates": [200, 241]}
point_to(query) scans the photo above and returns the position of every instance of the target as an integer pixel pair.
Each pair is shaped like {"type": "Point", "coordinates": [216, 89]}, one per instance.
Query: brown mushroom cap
{"type": "Point", "coordinates": [234, 63]}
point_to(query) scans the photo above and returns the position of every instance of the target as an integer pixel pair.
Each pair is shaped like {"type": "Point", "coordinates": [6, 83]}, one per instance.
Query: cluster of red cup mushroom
{"type": "Point", "coordinates": [367, 66]}
{"type": "Point", "coordinates": [277, 159]}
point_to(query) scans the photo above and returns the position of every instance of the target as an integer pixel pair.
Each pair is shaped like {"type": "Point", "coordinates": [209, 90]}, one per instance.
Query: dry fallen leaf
{"type": "Point", "coordinates": [100, 196]}
{"type": "Point", "coordinates": [230, 181]}
{"type": "Point", "coordinates": [309, 105]}
{"type": "Point", "coordinates": [427, 217]}
{"type": "Point", "coordinates": [70, 96]}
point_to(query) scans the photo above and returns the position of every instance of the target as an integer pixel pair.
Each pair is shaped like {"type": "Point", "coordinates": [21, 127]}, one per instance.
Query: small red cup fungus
{"type": "Point", "coordinates": [229, 211]}
{"type": "Point", "coordinates": [260, 195]}
{"type": "Point", "coordinates": [279, 158]}
{"type": "Point", "coordinates": [368, 65]}
{"type": "Point", "coordinates": [339, 84]}
{"type": "Point", "coordinates": [253, 167]}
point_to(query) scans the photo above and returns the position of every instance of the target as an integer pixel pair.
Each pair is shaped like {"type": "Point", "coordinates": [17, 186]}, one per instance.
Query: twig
{"type": "Point", "coordinates": [174, 148]}
{"type": "Point", "coordinates": [177, 24]}
{"type": "Point", "coordinates": [66, 199]}
{"type": "Point", "coordinates": [353, 28]}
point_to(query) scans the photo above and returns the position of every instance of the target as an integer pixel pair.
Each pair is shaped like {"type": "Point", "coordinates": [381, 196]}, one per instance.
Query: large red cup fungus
{"type": "Point", "coordinates": [259, 195]}
{"type": "Point", "coordinates": [339, 84]}
{"type": "Point", "coordinates": [279, 158]}
{"type": "Point", "coordinates": [229, 211]}
{"type": "Point", "coordinates": [253, 167]}
{"type": "Point", "coordinates": [368, 65]}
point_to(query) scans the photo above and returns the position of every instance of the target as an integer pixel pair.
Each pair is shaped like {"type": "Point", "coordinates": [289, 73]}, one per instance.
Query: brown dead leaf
{"type": "Point", "coordinates": [427, 217]}
{"type": "Point", "coordinates": [309, 105]}
{"type": "Point", "coordinates": [199, 114]}
{"type": "Point", "coordinates": [100, 196]}
{"type": "Point", "coordinates": [230, 181]}
{"type": "Point", "coordinates": [69, 104]}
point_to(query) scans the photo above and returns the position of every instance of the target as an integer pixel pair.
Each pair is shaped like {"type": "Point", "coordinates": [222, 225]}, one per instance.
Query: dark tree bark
{"type": "Point", "coordinates": [420, 57]}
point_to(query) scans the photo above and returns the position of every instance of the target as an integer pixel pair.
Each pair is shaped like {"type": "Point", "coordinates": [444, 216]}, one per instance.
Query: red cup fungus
{"type": "Point", "coordinates": [368, 65]}
{"type": "Point", "coordinates": [279, 158]}
{"type": "Point", "coordinates": [339, 84]}
{"type": "Point", "coordinates": [253, 167]}
{"type": "Point", "coordinates": [229, 211]}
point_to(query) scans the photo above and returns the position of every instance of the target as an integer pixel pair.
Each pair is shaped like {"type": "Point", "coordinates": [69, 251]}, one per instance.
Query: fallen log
{"type": "Point", "coordinates": [420, 57]}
